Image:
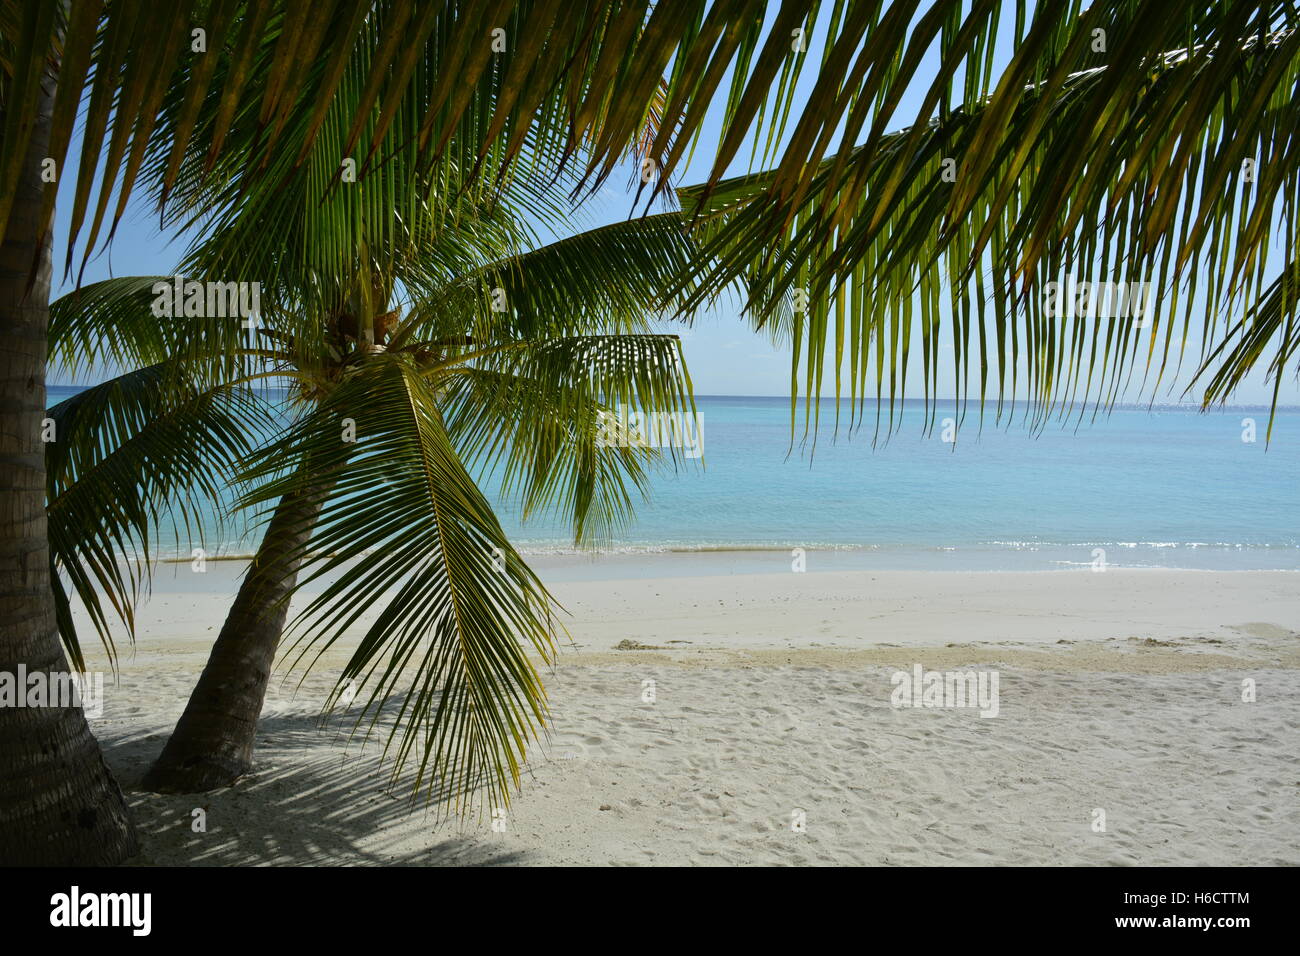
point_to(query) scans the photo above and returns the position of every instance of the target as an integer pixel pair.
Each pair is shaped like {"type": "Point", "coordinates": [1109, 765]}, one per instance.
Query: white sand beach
{"type": "Point", "coordinates": [771, 737]}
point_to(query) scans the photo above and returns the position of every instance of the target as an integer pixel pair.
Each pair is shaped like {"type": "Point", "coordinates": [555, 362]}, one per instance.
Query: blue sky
{"type": "Point", "coordinates": [724, 356]}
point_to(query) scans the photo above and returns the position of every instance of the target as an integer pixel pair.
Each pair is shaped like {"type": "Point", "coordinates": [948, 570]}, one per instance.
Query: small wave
{"type": "Point", "coordinates": [1235, 545]}
{"type": "Point", "coordinates": [534, 548]}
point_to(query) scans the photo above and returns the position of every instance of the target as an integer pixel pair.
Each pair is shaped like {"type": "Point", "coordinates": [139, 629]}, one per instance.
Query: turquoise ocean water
{"type": "Point", "coordinates": [1162, 487]}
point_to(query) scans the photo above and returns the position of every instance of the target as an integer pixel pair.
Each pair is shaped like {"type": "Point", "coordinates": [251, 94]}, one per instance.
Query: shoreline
{"type": "Point", "coordinates": [647, 564]}
{"type": "Point", "coordinates": [726, 607]}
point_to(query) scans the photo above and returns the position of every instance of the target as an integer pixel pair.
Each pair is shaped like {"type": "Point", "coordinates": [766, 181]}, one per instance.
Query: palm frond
{"type": "Point", "coordinates": [477, 80]}
{"type": "Point", "coordinates": [1123, 168]}
{"type": "Point", "coordinates": [407, 534]}
{"type": "Point", "coordinates": [548, 418]}
{"type": "Point", "coordinates": [1268, 328]}
{"type": "Point", "coordinates": [605, 280]}
{"type": "Point", "coordinates": [110, 326]}
{"type": "Point", "coordinates": [130, 458]}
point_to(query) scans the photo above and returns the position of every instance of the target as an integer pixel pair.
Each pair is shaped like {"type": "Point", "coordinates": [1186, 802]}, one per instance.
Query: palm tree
{"type": "Point", "coordinates": [498, 364]}
{"type": "Point", "coordinates": [496, 345]}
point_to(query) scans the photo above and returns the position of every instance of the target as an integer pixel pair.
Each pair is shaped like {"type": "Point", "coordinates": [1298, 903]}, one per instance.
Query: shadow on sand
{"type": "Point", "coordinates": [308, 801]}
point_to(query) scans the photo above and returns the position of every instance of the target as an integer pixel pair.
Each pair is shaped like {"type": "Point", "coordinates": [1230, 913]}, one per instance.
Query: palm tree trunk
{"type": "Point", "coordinates": [59, 804]}
{"type": "Point", "coordinates": [212, 744]}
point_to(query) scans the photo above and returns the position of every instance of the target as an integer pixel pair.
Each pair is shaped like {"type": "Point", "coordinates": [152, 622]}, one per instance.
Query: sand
{"type": "Point", "coordinates": [771, 737]}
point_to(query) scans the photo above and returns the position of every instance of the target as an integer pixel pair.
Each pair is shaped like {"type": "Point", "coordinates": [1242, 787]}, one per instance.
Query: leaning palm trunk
{"type": "Point", "coordinates": [212, 744]}
{"type": "Point", "coordinates": [59, 804]}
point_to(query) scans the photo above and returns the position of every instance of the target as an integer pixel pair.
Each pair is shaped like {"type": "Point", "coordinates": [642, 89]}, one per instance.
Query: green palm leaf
{"type": "Point", "coordinates": [130, 458]}
{"type": "Point", "coordinates": [610, 279]}
{"type": "Point", "coordinates": [407, 533]}
{"type": "Point", "coordinates": [543, 417]}
{"type": "Point", "coordinates": [950, 230]}
{"type": "Point", "coordinates": [110, 326]}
